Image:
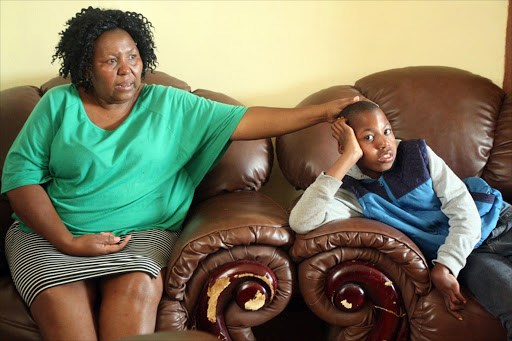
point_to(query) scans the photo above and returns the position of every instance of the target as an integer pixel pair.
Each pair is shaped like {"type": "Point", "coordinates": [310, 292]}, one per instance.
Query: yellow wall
{"type": "Point", "coordinates": [274, 53]}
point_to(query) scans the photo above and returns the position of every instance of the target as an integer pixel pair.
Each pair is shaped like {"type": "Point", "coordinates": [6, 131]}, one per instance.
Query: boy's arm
{"type": "Point", "coordinates": [448, 285]}
{"type": "Point", "coordinates": [321, 203]}
{"type": "Point", "coordinates": [464, 232]}
{"type": "Point", "coordinates": [324, 201]}
{"type": "Point", "coordinates": [459, 207]}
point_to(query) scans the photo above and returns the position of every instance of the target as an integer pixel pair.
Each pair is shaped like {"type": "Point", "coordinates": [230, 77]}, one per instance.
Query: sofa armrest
{"type": "Point", "coordinates": [366, 233]}
{"type": "Point", "coordinates": [232, 245]}
{"type": "Point", "coordinates": [361, 276]}
{"type": "Point", "coordinates": [371, 282]}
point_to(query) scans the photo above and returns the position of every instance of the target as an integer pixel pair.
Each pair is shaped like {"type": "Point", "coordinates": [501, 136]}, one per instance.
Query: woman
{"type": "Point", "coordinates": [102, 175]}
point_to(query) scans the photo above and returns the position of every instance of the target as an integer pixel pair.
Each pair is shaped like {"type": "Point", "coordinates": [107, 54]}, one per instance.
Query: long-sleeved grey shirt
{"type": "Point", "coordinates": [325, 201]}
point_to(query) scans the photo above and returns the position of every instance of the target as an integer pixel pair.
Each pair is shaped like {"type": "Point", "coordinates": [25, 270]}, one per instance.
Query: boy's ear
{"type": "Point", "coordinates": [340, 148]}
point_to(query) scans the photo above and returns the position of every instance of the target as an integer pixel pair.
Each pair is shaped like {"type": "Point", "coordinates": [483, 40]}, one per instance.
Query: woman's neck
{"type": "Point", "coordinates": [106, 115]}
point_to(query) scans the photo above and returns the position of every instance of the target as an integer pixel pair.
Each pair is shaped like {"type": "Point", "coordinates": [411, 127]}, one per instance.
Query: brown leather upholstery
{"type": "Point", "coordinates": [230, 223]}
{"type": "Point", "coordinates": [467, 120]}
{"type": "Point", "coordinates": [192, 335]}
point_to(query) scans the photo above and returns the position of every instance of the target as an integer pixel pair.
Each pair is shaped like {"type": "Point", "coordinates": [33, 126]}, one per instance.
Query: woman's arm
{"type": "Point", "coordinates": [33, 206]}
{"type": "Point", "coordinates": [263, 122]}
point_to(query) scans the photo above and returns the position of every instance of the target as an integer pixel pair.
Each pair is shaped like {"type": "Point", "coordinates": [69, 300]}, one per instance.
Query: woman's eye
{"type": "Point", "coordinates": [387, 132]}
{"type": "Point", "coordinates": [111, 61]}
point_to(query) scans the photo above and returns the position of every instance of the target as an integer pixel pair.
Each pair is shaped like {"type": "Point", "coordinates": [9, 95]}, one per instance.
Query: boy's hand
{"type": "Point", "coordinates": [448, 285]}
{"type": "Point", "coordinates": [346, 138]}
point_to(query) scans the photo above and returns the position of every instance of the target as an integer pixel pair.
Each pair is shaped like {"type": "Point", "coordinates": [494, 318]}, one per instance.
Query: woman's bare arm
{"type": "Point", "coordinates": [263, 122]}
{"type": "Point", "coordinates": [33, 206]}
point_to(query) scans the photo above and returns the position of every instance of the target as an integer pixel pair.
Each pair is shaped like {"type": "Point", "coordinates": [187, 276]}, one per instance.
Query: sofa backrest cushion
{"type": "Point", "coordinates": [464, 118]}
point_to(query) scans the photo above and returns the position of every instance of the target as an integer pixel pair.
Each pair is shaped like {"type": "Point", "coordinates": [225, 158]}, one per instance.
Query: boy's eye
{"type": "Point", "coordinates": [369, 138]}
{"type": "Point", "coordinates": [387, 131]}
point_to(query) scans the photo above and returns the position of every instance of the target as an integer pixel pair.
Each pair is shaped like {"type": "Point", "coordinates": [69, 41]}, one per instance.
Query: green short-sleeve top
{"type": "Point", "coordinates": [140, 176]}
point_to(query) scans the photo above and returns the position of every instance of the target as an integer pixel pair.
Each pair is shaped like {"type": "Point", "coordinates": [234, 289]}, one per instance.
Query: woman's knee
{"type": "Point", "coordinates": [135, 286]}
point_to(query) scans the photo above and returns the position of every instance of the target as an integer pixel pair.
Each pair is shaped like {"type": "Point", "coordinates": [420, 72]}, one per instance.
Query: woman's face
{"type": "Point", "coordinates": [116, 67]}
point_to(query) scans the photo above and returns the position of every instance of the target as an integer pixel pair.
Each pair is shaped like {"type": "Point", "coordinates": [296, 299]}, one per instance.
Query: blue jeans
{"type": "Point", "coordinates": [488, 271]}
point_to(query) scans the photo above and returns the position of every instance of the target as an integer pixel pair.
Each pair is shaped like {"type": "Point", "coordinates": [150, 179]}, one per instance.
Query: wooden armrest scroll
{"type": "Point", "coordinates": [350, 284]}
{"type": "Point", "coordinates": [222, 222]}
{"type": "Point", "coordinates": [251, 284]}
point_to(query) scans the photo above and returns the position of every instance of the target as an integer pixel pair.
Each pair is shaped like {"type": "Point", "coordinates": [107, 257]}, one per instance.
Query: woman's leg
{"type": "Point", "coordinates": [66, 312]}
{"type": "Point", "coordinates": [129, 304]}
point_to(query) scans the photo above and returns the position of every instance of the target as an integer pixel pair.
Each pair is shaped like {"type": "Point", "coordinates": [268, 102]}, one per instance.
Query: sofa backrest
{"type": "Point", "coordinates": [464, 118]}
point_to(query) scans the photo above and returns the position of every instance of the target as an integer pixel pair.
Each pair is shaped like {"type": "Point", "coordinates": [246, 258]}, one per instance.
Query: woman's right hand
{"type": "Point", "coordinates": [33, 206]}
{"type": "Point", "coordinates": [346, 138]}
{"type": "Point", "coordinates": [94, 244]}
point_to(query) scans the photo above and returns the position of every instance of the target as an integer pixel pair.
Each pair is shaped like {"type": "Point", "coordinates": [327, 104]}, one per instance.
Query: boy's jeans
{"type": "Point", "coordinates": [488, 271]}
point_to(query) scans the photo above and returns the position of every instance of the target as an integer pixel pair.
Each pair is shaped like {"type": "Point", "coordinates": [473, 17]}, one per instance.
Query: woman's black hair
{"type": "Point", "coordinates": [354, 109]}
{"type": "Point", "coordinates": [76, 44]}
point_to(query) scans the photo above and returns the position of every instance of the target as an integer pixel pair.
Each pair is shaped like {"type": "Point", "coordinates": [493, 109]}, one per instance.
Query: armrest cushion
{"type": "Point", "coordinates": [366, 233]}
{"type": "Point", "coordinates": [222, 222]}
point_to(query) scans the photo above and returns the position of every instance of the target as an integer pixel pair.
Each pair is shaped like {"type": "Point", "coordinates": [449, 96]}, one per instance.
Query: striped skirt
{"type": "Point", "coordinates": [37, 265]}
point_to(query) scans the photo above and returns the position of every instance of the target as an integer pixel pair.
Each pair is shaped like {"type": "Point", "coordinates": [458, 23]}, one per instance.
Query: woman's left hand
{"type": "Point", "coordinates": [95, 244]}
{"type": "Point", "coordinates": [333, 108]}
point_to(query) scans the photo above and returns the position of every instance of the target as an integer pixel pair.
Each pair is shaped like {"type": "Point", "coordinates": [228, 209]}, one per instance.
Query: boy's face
{"type": "Point", "coordinates": [376, 139]}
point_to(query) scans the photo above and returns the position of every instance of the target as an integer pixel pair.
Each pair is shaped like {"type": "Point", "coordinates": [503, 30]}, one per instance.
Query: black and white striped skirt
{"type": "Point", "coordinates": [37, 265]}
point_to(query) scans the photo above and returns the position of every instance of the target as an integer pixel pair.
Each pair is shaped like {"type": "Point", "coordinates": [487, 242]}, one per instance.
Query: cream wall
{"type": "Point", "coordinates": [274, 53]}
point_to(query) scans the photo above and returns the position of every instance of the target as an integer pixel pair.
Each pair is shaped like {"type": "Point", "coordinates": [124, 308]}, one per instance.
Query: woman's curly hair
{"type": "Point", "coordinates": [76, 44]}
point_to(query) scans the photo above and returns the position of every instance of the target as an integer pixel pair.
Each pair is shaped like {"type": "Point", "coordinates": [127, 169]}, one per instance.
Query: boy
{"type": "Point", "coordinates": [405, 185]}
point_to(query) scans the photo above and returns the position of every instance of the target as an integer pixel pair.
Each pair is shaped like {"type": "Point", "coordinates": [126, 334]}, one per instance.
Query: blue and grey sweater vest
{"type": "Point", "coordinates": [403, 197]}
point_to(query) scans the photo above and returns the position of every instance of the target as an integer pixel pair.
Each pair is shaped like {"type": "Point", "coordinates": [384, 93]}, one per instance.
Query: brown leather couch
{"type": "Point", "coordinates": [366, 279]}
{"type": "Point", "coordinates": [234, 241]}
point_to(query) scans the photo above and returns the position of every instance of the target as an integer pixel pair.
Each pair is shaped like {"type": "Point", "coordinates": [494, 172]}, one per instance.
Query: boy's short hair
{"type": "Point", "coordinates": [354, 109]}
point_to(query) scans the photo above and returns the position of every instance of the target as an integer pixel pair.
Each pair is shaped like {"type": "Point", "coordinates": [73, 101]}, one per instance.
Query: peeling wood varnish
{"type": "Point", "coordinates": [390, 311]}
{"type": "Point", "coordinates": [213, 293]}
{"type": "Point", "coordinates": [216, 289]}
{"type": "Point", "coordinates": [263, 278]}
{"type": "Point", "coordinates": [346, 304]}
{"type": "Point", "coordinates": [256, 303]}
